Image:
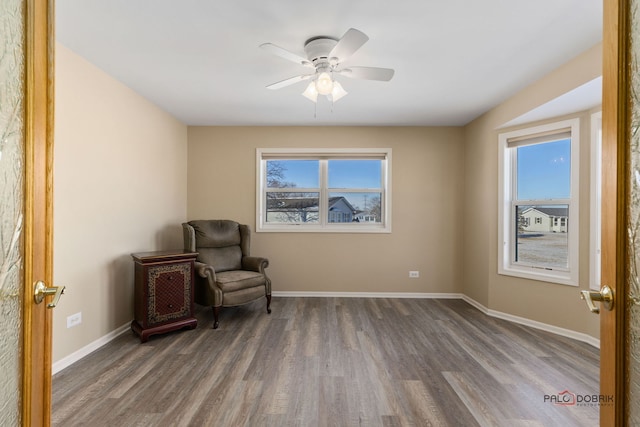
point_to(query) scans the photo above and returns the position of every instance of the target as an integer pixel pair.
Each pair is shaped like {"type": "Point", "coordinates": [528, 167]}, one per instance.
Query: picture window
{"type": "Point", "coordinates": [334, 190]}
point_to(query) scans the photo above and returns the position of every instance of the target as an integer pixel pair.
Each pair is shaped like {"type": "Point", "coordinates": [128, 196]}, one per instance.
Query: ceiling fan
{"type": "Point", "coordinates": [326, 55]}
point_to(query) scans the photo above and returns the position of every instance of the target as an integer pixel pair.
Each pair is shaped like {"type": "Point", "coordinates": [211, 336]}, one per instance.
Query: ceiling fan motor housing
{"type": "Point", "coordinates": [326, 54]}
{"type": "Point", "coordinates": [318, 50]}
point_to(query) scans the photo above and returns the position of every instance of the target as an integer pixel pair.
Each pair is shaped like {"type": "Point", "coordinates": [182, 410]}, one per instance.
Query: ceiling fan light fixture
{"type": "Point", "coordinates": [338, 91]}
{"type": "Point", "coordinates": [310, 92]}
{"type": "Point", "coordinates": [326, 54]}
{"type": "Point", "coordinates": [324, 84]}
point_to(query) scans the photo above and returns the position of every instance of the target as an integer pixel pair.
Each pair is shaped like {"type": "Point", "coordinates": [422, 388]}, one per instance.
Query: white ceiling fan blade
{"type": "Point", "coordinates": [368, 73]}
{"type": "Point", "coordinates": [290, 81]}
{"type": "Point", "coordinates": [351, 41]}
{"type": "Point", "coordinates": [283, 53]}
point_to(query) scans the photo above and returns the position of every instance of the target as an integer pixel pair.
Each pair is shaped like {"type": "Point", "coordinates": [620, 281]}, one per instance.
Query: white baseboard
{"type": "Point", "coordinates": [534, 324]}
{"type": "Point", "coordinates": [89, 348]}
{"type": "Point", "coordinates": [364, 294]}
{"type": "Point", "coordinates": [74, 357]}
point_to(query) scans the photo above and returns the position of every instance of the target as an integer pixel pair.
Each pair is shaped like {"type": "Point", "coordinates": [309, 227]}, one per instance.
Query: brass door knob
{"type": "Point", "coordinates": [41, 290]}
{"type": "Point", "coordinates": [605, 296]}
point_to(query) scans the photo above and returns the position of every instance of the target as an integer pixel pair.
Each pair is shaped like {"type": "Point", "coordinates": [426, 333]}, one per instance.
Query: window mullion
{"type": "Point", "coordinates": [383, 194]}
{"type": "Point", "coordinates": [513, 183]}
{"type": "Point", "coordinates": [291, 190]}
{"type": "Point", "coordinates": [541, 202]}
{"type": "Point", "coordinates": [354, 190]}
{"type": "Point", "coordinates": [324, 193]}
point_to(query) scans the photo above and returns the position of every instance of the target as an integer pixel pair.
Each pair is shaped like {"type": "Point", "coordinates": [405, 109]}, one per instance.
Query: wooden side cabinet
{"type": "Point", "coordinates": [163, 292]}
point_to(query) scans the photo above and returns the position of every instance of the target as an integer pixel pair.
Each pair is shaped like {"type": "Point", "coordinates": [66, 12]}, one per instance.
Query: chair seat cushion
{"type": "Point", "coordinates": [234, 280]}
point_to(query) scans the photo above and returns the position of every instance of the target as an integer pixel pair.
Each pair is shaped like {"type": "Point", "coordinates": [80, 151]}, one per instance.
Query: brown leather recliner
{"type": "Point", "coordinates": [226, 275]}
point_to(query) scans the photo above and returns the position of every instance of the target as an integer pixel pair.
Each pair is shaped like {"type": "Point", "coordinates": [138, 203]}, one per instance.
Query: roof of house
{"type": "Point", "coordinates": [549, 211]}
{"type": "Point", "coordinates": [305, 203]}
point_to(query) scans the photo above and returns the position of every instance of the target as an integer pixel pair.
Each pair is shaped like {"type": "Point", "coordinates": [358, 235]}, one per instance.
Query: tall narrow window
{"type": "Point", "coordinates": [539, 203]}
{"type": "Point", "coordinates": [333, 190]}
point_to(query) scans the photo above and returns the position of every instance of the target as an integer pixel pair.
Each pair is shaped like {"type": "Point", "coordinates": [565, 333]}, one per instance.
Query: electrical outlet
{"type": "Point", "coordinates": [414, 274]}
{"type": "Point", "coordinates": [74, 320]}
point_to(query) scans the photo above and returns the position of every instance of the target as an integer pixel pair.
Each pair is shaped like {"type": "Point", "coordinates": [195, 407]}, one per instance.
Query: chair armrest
{"type": "Point", "coordinates": [258, 264]}
{"type": "Point", "coordinates": [207, 291]}
{"type": "Point", "coordinates": [205, 271]}
{"type": "Point", "coordinates": [254, 263]}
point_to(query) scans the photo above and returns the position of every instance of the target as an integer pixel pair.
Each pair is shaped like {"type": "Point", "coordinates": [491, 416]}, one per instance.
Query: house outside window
{"type": "Point", "coordinates": [323, 190]}
{"type": "Point", "coordinates": [538, 213]}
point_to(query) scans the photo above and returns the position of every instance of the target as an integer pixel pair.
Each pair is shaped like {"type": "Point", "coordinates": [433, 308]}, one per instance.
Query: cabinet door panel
{"type": "Point", "coordinates": [169, 292]}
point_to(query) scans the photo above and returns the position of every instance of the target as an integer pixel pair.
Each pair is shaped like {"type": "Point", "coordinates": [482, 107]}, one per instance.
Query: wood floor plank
{"type": "Point", "coordinates": [423, 407]}
{"type": "Point", "coordinates": [333, 362]}
{"type": "Point", "coordinates": [483, 411]}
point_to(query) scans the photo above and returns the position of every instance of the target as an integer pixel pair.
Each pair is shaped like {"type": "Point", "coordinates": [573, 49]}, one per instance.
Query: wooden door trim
{"type": "Point", "coordinates": [615, 176]}
{"type": "Point", "coordinates": [38, 209]}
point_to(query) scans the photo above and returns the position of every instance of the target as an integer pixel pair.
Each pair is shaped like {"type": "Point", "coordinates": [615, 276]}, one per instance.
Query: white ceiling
{"type": "Point", "coordinates": [455, 59]}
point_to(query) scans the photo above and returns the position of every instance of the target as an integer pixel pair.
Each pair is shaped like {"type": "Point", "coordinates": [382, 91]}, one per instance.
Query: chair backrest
{"type": "Point", "coordinates": [219, 243]}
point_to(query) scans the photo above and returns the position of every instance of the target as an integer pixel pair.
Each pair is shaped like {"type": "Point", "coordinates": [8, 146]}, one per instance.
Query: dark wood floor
{"type": "Point", "coordinates": [334, 362]}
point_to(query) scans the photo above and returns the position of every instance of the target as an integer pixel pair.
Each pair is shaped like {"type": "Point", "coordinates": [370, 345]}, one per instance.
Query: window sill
{"type": "Point", "coordinates": [541, 275]}
{"type": "Point", "coordinates": [298, 228]}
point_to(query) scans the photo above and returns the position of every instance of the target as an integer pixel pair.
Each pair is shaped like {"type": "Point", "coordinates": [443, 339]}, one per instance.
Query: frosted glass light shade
{"type": "Point", "coordinates": [324, 84]}
{"type": "Point", "coordinates": [337, 92]}
{"type": "Point", "coordinates": [310, 92]}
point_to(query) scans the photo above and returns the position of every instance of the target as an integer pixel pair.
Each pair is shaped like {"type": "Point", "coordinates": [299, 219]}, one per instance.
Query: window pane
{"type": "Point", "coordinates": [544, 171]}
{"type": "Point", "coordinates": [355, 207]}
{"type": "Point", "coordinates": [292, 207]}
{"type": "Point", "coordinates": [542, 235]}
{"type": "Point", "coordinates": [355, 173]}
{"type": "Point", "coordinates": [293, 174]}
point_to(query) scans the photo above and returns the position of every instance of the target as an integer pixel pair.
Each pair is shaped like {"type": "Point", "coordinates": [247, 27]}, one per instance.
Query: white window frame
{"type": "Point", "coordinates": [323, 155]}
{"type": "Point", "coordinates": [506, 191]}
{"type": "Point", "coordinates": [595, 242]}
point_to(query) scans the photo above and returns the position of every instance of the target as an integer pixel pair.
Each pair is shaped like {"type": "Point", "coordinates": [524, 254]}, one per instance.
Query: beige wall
{"type": "Point", "coordinates": [120, 185]}
{"type": "Point", "coordinates": [552, 304]}
{"type": "Point", "coordinates": [427, 208]}
{"type": "Point", "coordinates": [127, 174]}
